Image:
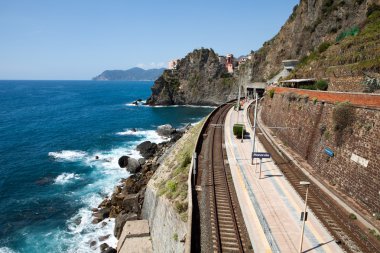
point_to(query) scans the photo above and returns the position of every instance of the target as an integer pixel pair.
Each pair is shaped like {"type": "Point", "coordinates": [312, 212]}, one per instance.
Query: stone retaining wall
{"type": "Point", "coordinates": [308, 128]}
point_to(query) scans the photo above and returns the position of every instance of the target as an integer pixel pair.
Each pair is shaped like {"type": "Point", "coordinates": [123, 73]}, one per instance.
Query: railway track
{"type": "Point", "coordinates": [222, 227]}
{"type": "Point", "coordinates": [336, 220]}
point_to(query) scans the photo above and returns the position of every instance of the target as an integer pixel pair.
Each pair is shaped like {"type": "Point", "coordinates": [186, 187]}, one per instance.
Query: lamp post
{"type": "Point", "coordinates": [306, 184]}
{"type": "Point", "coordinates": [254, 127]}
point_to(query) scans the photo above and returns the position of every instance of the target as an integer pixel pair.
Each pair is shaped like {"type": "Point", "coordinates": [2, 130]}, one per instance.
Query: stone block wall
{"type": "Point", "coordinates": [309, 128]}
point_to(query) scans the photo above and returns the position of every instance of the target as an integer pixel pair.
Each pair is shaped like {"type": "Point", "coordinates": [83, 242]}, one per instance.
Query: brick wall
{"type": "Point", "coordinates": [310, 129]}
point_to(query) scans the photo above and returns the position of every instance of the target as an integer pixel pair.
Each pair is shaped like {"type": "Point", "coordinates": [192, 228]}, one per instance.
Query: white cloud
{"type": "Point", "coordinates": [151, 65]}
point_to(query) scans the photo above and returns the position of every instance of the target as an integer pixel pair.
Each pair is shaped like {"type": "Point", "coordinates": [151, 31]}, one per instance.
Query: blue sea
{"type": "Point", "coordinates": [50, 133]}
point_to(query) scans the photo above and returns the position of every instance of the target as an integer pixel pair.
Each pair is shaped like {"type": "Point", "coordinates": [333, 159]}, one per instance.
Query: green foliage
{"type": "Point", "coordinates": [323, 46]}
{"type": "Point", "coordinates": [307, 87]}
{"type": "Point", "coordinates": [315, 100]}
{"type": "Point", "coordinates": [175, 237]}
{"type": "Point", "coordinates": [171, 186]}
{"type": "Point", "coordinates": [271, 93]}
{"type": "Point", "coordinates": [238, 130]}
{"type": "Point", "coordinates": [307, 59]}
{"type": "Point", "coordinates": [372, 8]}
{"type": "Point", "coordinates": [226, 75]}
{"type": "Point", "coordinates": [371, 84]}
{"type": "Point", "coordinates": [352, 216]}
{"type": "Point", "coordinates": [181, 206]}
{"type": "Point", "coordinates": [227, 82]}
{"type": "Point", "coordinates": [321, 85]}
{"type": "Point", "coordinates": [186, 160]}
{"type": "Point", "coordinates": [353, 31]}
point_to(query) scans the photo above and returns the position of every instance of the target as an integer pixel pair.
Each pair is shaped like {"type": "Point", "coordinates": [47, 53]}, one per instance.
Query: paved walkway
{"type": "Point", "coordinates": [270, 206]}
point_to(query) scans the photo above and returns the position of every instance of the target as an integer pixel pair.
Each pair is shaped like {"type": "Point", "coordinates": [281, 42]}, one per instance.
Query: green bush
{"type": "Point", "coordinates": [271, 93]}
{"type": "Point", "coordinates": [238, 130]}
{"type": "Point", "coordinates": [323, 46]}
{"type": "Point", "coordinates": [307, 87]}
{"type": "Point", "coordinates": [321, 85]}
{"type": "Point", "coordinates": [186, 160]}
{"type": "Point", "coordinates": [171, 185]}
{"type": "Point", "coordinates": [352, 216]}
{"type": "Point", "coordinates": [353, 31]}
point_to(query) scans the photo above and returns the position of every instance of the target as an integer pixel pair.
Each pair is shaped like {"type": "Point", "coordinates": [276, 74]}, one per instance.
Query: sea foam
{"type": "Point", "coordinates": [68, 155]}
{"type": "Point", "coordinates": [150, 135]}
{"type": "Point", "coordinates": [66, 178]}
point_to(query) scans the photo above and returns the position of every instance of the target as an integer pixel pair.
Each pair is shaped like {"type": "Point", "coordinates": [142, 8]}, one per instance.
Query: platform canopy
{"type": "Point", "coordinates": [257, 85]}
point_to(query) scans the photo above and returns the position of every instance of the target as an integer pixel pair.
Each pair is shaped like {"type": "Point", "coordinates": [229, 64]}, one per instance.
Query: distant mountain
{"type": "Point", "coordinates": [133, 74]}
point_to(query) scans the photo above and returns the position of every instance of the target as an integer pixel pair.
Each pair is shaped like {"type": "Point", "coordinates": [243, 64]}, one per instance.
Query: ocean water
{"type": "Point", "coordinates": [50, 132]}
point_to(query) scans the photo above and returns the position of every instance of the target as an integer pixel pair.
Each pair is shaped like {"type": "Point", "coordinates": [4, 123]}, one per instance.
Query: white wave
{"type": "Point", "coordinates": [148, 135]}
{"type": "Point", "coordinates": [6, 250]}
{"type": "Point", "coordinates": [65, 178]}
{"type": "Point", "coordinates": [141, 103]}
{"type": "Point", "coordinates": [68, 155]}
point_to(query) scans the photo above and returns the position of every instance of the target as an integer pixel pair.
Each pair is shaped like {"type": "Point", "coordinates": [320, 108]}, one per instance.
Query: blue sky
{"type": "Point", "coordinates": [78, 39]}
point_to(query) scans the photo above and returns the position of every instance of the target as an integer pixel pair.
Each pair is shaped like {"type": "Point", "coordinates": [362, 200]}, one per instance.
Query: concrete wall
{"type": "Point", "coordinates": [354, 170]}
{"type": "Point", "coordinates": [164, 223]}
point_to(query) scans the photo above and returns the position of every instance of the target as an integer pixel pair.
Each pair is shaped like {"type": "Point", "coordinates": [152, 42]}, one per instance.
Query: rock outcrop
{"type": "Point", "coordinates": [147, 149]}
{"type": "Point", "coordinates": [200, 78]}
{"type": "Point", "coordinates": [314, 25]}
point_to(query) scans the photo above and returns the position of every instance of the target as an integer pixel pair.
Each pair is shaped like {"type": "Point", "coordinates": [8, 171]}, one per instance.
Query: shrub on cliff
{"type": "Point", "coordinates": [352, 31]}
{"type": "Point", "coordinates": [321, 85]}
{"type": "Point", "coordinates": [271, 93]}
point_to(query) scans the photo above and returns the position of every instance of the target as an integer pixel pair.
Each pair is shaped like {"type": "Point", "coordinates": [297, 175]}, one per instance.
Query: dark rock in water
{"type": "Point", "coordinates": [123, 161]}
{"type": "Point", "coordinates": [104, 224]}
{"type": "Point", "coordinates": [142, 161]}
{"type": "Point", "coordinates": [165, 130]}
{"type": "Point", "coordinates": [103, 213]}
{"type": "Point", "coordinates": [120, 221]}
{"type": "Point", "coordinates": [133, 165]}
{"type": "Point", "coordinates": [110, 250]}
{"type": "Point", "coordinates": [133, 129]}
{"type": "Point", "coordinates": [147, 149]}
{"type": "Point", "coordinates": [135, 103]}
{"type": "Point", "coordinates": [92, 244]}
{"type": "Point", "coordinates": [96, 157]}
{"type": "Point", "coordinates": [103, 238]}
{"type": "Point", "coordinates": [44, 181]}
{"type": "Point", "coordinates": [139, 100]}
{"type": "Point", "coordinates": [103, 247]}
{"type": "Point", "coordinates": [78, 220]}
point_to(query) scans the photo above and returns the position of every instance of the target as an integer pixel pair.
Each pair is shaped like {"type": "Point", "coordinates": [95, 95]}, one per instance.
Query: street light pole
{"type": "Point", "coordinates": [238, 105]}
{"type": "Point", "coordinates": [254, 127]}
{"type": "Point", "coordinates": [307, 184]}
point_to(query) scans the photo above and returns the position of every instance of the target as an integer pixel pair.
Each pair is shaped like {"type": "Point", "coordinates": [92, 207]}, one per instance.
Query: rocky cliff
{"type": "Point", "coordinates": [311, 23]}
{"type": "Point", "coordinates": [333, 39]}
{"type": "Point", "coordinates": [198, 79]}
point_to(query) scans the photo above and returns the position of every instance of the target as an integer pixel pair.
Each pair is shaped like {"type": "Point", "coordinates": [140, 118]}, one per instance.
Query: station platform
{"type": "Point", "coordinates": [271, 207]}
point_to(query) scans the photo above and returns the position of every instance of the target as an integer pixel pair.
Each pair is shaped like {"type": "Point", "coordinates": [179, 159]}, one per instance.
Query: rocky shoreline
{"type": "Point", "coordinates": [126, 201]}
